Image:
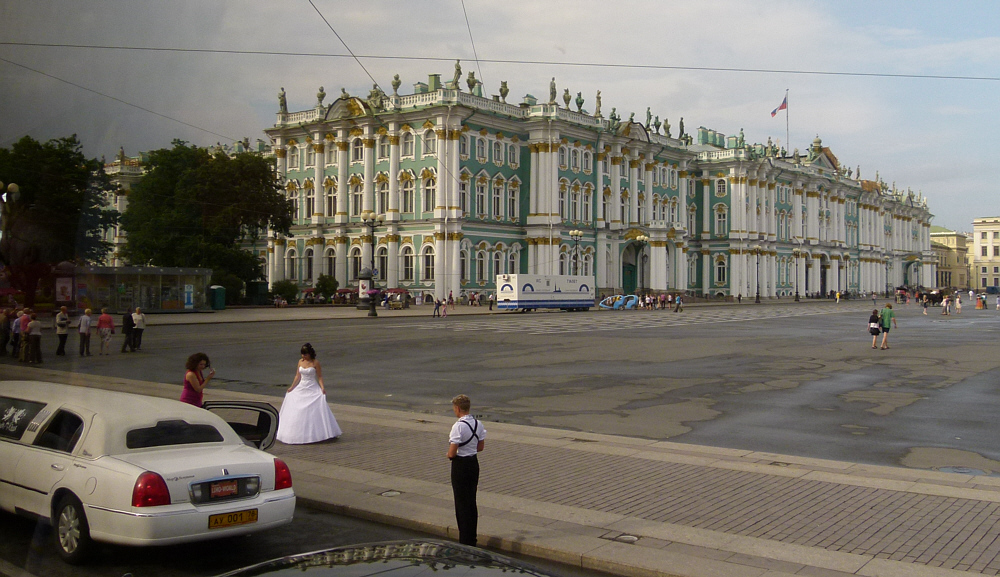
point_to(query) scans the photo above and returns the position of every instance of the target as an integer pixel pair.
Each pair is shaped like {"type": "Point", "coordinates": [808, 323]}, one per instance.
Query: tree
{"type": "Point", "coordinates": [193, 209]}
{"type": "Point", "coordinates": [286, 289]}
{"type": "Point", "coordinates": [60, 214]}
{"type": "Point", "coordinates": [326, 285]}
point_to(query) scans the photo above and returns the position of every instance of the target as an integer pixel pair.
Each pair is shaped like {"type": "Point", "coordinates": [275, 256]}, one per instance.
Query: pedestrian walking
{"type": "Point", "coordinates": [84, 331]}
{"type": "Point", "coordinates": [105, 328]}
{"type": "Point", "coordinates": [958, 304]}
{"type": "Point", "coordinates": [437, 308]}
{"type": "Point", "coordinates": [467, 439]}
{"type": "Point", "coordinates": [127, 324]}
{"type": "Point", "coordinates": [874, 327]}
{"type": "Point", "coordinates": [15, 334]}
{"type": "Point", "coordinates": [140, 326]}
{"type": "Point", "coordinates": [22, 354]}
{"type": "Point", "coordinates": [874, 304]}
{"type": "Point", "coordinates": [62, 330]}
{"type": "Point", "coordinates": [444, 310]}
{"type": "Point", "coordinates": [887, 319]}
{"type": "Point", "coordinates": [34, 331]}
{"type": "Point", "coordinates": [491, 301]}
{"type": "Point", "coordinates": [925, 304]}
{"type": "Point", "coordinates": [195, 380]}
{"type": "Point", "coordinates": [680, 304]}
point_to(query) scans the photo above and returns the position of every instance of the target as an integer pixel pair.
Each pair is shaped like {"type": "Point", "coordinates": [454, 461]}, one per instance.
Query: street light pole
{"type": "Point", "coordinates": [640, 257]}
{"type": "Point", "coordinates": [796, 254]}
{"type": "Point", "coordinates": [576, 235]}
{"type": "Point", "coordinates": [371, 219]}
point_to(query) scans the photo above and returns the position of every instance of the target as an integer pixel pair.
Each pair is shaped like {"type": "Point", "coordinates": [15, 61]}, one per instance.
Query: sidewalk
{"type": "Point", "coordinates": [639, 507]}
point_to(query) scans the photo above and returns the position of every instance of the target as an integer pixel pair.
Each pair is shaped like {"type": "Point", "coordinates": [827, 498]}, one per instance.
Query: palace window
{"type": "Point", "coordinates": [574, 209]}
{"type": "Point", "coordinates": [481, 199]}
{"type": "Point", "coordinates": [720, 271]}
{"type": "Point", "coordinates": [692, 222]}
{"type": "Point", "coordinates": [357, 150]}
{"type": "Point", "coordinates": [513, 154]}
{"type": "Point", "coordinates": [721, 222]}
{"type": "Point", "coordinates": [430, 143]}
{"type": "Point", "coordinates": [383, 148]}
{"type": "Point", "coordinates": [463, 196]}
{"type": "Point", "coordinates": [481, 266]}
{"type": "Point", "coordinates": [430, 194]}
{"type": "Point", "coordinates": [498, 153]}
{"type": "Point", "coordinates": [463, 146]}
{"type": "Point", "coordinates": [309, 264]}
{"type": "Point", "coordinates": [587, 161]}
{"type": "Point", "coordinates": [562, 157]}
{"type": "Point", "coordinates": [463, 265]}
{"type": "Point", "coordinates": [498, 199]}
{"type": "Point", "coordinates": [331, 200]}
{"type": "Point", "coordinates": [587, 194]}
{"type": "Point", "coordinates": [497, 264]}
{"type": "Point", "coordinates": [720, 188]}
{"type": "Point", "coordinates": [331, 261]}
{"type": "Point", "coordinates": [310, 202]}
{"type": "Point", "coordinates": [382, 262]}
{"type": "Point", "coordinates": [310, 156]}
{"type": "Point", "coordinates": [293, 197]}
{"type": "Point", "coordinates": [428, 271]}
{"type": "Point", "coordinates": [293, 159]}
{"type": "Point", "coordinates": [355, 263]}
{"type": "Point", "coordinates": [407, 258]}
{"type": "Point", "coordinates": [481, 149]}
{"type": "Point", "coordinates": [562, 202]}
{"type": "Point", "coordinates": [406, 196]}
{"type": "Point", "coordinates": [574, 157]}
{"type": "Point", "coordinates": [512, 263]}
{"type": "Point", "coordinates": [331, 154]}
{"type": "Point", "coordinates": [291, 270]}
{"type": "Point", "coordinates": [383, 197]}
{"type": "Point", "coordinates": [512, 197]}
{"type": "Point", "coordinates": [406, 143]}
{"type": "Point", "coordinates": [357, 195]}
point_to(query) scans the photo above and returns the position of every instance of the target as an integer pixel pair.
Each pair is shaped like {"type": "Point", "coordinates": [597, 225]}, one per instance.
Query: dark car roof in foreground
{"type": "Point", "coordinates": [400, 558]}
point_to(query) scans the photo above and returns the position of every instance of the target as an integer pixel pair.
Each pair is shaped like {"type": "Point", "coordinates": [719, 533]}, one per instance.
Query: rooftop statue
{"type": "Point", "coordinates": [396, 83]}
{"type": "Point", "coordinates": [597, 107]}
{"type": "Point", "coordinates": [656, 125]}
{"type": "Point", "coordinates": [567, 98]}
{"type": "Point", "coordinates": [680, 128]}
{"type": "Point", "coordinates": [666, 128]}
{"type": "Point", "coordinates": [320, 96]}
{"type": "Point", "coordinates": [504, 91]}
{"type": "Point", "coordinates": [649, 118]}
{"type": "Point", "coordinates": [458, 74]}
{"type": "Point", "coordinates": [579, 102]}
{"type": "Point", "coordinates": [471, 80]}
{"type": "Point", "coordinates": [282, 103]}
{"type": "Point", "coordinates": [741, 142]}
{"type": "Point", "coordinates": [552, 91]}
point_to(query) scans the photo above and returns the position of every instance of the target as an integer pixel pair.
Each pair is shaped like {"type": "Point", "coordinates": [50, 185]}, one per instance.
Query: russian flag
{"type": "Point", "coordinates": [782, 106]}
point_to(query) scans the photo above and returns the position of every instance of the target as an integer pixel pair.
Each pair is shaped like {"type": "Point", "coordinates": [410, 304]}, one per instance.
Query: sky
{"type": "Point", "coordinates": [892, 111]}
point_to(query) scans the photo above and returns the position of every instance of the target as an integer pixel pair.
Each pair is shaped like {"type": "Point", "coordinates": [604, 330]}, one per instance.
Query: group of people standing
{"type": "Point", "coordinates": [21, 330]}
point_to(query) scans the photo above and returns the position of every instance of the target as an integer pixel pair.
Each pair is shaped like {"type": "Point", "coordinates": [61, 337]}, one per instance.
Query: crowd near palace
{"type": "Point", "coordinates": [450, 188]}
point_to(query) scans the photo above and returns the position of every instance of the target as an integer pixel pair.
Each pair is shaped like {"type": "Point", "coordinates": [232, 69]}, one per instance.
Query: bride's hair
{"type": "Point", "coordinates": [308, 349]}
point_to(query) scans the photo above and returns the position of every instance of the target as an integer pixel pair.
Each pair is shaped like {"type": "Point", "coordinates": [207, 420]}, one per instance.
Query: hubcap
{"type": "Point", "coordinates": [69, 529]}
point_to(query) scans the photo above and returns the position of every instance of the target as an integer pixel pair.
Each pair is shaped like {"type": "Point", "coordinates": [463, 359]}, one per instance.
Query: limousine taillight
{"type": "Point", "coordinates": [282, 476]}
{"type": "Point", "coordinates": [150, 491]}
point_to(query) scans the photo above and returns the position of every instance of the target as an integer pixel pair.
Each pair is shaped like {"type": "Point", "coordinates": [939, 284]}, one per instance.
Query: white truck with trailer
{"type": "Point", "coordinates": [529, 292]}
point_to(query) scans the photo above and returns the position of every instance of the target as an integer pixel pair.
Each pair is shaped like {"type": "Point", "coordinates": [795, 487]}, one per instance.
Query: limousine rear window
{"type": "Point", "coordinates": [15, 415]}
{"type": "Point", "coordinates": [167, 433]}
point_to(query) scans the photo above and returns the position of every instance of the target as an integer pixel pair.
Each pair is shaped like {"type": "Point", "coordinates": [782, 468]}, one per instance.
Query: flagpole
{"type": "Point", "coordinates": [787, 143]}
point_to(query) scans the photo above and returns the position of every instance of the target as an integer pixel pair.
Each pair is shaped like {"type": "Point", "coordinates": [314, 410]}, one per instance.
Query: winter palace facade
{"type": "Point", "coordinates": [467, 187]}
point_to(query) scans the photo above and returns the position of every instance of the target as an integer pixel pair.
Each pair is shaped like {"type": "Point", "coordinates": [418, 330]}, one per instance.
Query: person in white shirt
{"type": "Point", "coordinates": [140, 325]}
{"type": "Point", "coordinates": [467, 439]}
{"type": "Point", "coordinates": [85, 333]}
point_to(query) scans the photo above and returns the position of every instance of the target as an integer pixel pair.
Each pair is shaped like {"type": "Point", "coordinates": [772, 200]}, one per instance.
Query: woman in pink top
{"type": "Point", "coordinates": [105, 328]}
{"type": "Point", "coordinates": [194, 380]}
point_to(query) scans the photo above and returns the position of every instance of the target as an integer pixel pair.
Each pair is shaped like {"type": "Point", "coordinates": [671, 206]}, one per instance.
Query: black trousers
{"type": "Point", "coordinates": [137, 339]}
{"type": "Point", "coordinates": [84, 343]}
{"type": "Point", "coordinates": [128, 344]}
{"type": "Point", "coordinates": [61, 350]}
{"type": "Point", "coordinates": [464, 482]}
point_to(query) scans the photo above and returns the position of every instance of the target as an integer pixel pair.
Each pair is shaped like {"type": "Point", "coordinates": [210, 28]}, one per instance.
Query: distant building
{"type": "Point", "coordinates": [951, 250]}
{"type": "Point", "coordinates": [471, 187]}
{"type": "Point", "coordinates": [986, 252]}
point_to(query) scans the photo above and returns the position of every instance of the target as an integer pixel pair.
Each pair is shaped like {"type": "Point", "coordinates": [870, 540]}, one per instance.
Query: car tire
{"type": "Point", "coordinates": [70, 531]}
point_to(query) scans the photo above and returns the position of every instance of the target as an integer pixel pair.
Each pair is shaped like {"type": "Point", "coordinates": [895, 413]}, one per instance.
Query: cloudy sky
{"type": "Point", "coordinates": [918, 103]}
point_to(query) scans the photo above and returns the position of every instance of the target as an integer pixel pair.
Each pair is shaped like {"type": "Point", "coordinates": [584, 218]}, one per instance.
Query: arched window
{"type": "Point", "coordinates": [291, 270]}
{"type": "Point", "coordinates": [331, 262]}
{"type": "Point", "coordinates": [564, 264]}
{"type": "Point", "coordinates": [382, 262]}
{"type": "Point", "coordinates": [692, 268]}
{"type": "Point", "coordinates": [574, 156]}
{"type": "Point", "coordinates": [357, 196]}
{"type": "Point", "coordinates": [513, 193]}
{"type": "Point", "coordinates": [310, 202]}
{"type": "Point", "coordinates": [383, 197]}
{"type": "Point", "coordinates": [497, 264]}
{"type": "Point", "coordinates": [406, 144]}
{"type": "Point", "coordinates": [463, 146]}
{"type": "Point", "coordinates": [720, 187]}
{"type": "Point", "coordinates": [383, 148]}
{"type": "Point", "coordinates": [562, 202]}
{"type": "Point", "coordinates": [513, 263]}
{"type": "Point", "coordinates": [407, 258]}
{"type": "Point", "coordinates": [293, 197]}
{"type": "Point", "coordinates": [588, 265]}
{"type": "Point", "coordinates": [562, 157]}
{"type": "Point", "coordinates": [463, 196]}
{"type": "Point", "coordinates": [430, 194]}
{"type": "Point", "coordinates": [309, 264]}
{"type": "Point", "coordinates": [692, 221]}
{"type": "Point", "coordinates": [481, 266]}
{"type": "Point", "coordinates": [406, 196]}
{"type": "Point", "coordinates": [513, 154]}
{"type": "Point", "coordinates": [357, 150]}
{"type": "Point", "coordinates": [721, 221]}
{"type": "Point", "coordinates": [481, 199]}
{"type": "Point", "coordinates": [498, 199]}
{"type": "Point", "coordinates": [720, 271]}
{"type": "Point", "coordinates": [430, 143]}
{"type": "Point", "coordinates": [428, 262]}
{"type": "Point", "coordinates": [310, 156]}
{"type": "Point", "coordinates": [355, 263]}
{"type": "Point", "coordinates": [293, 158]}
{"type": "Point", "coordinates": [481, 149]}
{"type": "Point", "coordinates": [574, 209]}
{"type": "Point", "coordinates": [463, 265]}
{"type": "Point", "coordinates": [498, 153]}
{"type": "Point", "coordinates": [331, 199]}
{"type": "Point", "coordinates": [587, 159]}
{"type": "Point", "coordinates": [588, 192]}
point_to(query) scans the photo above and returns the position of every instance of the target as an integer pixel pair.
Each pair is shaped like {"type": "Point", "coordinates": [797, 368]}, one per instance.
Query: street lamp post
{"type": "Point", "coordinates": [756, 252]}
{"type": "Point", "coordinates": [371, 219]}
{"type": "Point", "coordinates": [577, 236]}
{"type": "Point", "coordinates": [888, 290]}
{"type": "Point", "coordinates": [796, 253]}
{"type": "Point", "coordinates": [641, 240]}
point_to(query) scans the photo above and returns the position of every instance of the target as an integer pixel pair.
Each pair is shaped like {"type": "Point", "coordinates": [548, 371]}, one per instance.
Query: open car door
{"type": "Point", "coordinates": [255, 422]}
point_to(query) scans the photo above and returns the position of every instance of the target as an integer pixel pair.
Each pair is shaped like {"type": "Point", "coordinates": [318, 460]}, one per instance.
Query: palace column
{"type": "Point", "coordinates": [279, 261]}
{"type": "Point", "coordinates": [633, 193]}
{"type": "Point", "coordinates": [812, 216]}
{"type": "Point", "coordinates": [706, 198]}
{"type": "Point", "coordinates": [616, 187]}
{"type": "Point", "coordinates": [343, 163]}
{"type": "Point", "coordinates": [341, 259]}
{"type": "Point", "coordinates": [392, 214]}
{"type": "Point", "coordinates": [601, 218]}
{"type": "Point", "coordinates": [658, 255]}
{"type": "Point", "coordinates": [647, 179]}
{"type": "Point", "coordinates": [317, 246]}
{"type": "Point", "coordinates": [682, 197]}
{"type": "Point", "coordinates": [319, 153]}
{"type": "Point", "coordinates": [706, 271]}
{"type": "Point", "coordinates": [680, 262]}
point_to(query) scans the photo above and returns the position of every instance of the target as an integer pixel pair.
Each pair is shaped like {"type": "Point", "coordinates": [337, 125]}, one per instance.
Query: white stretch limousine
{"type": "Point", "coordinates": [137, 470]}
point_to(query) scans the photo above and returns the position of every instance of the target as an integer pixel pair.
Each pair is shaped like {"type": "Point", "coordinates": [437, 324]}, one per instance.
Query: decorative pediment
{"type": "Point", "coordinates": [427, 124]}
{"type": "Point", "coordinates": [633, 233]}
{"type": "Point", "coordinates": [346, 108]}
{"type": "Point", "coordinates": [427, 173]}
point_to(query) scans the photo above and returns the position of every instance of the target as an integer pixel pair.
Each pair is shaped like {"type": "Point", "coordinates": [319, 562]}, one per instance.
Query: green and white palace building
{"type": "Point", "coordinates": [470, 187]}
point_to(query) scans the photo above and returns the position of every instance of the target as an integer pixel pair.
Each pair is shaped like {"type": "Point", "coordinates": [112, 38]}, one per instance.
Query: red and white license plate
{"type": "Point", "coordinates": [223, 489]}
{"type": "Point", "coordinates": [232, 519]}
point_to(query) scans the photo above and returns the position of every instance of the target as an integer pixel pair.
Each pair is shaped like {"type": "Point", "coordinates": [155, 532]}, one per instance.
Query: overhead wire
{"type": "Point", "coordinates": [618, 65]}
{"type": "Point", "coordinates": [473, 41]}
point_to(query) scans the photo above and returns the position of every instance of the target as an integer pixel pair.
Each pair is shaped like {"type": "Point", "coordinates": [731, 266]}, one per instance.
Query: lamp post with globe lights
{"type": "Point", "coordinates": [577, 236]}
{"type": "Point", "coordinates": [370, 219]}
{"type": "Point", "coordinates": [796, 253]}
{"type": "Point", "coordinates": [641, 241]}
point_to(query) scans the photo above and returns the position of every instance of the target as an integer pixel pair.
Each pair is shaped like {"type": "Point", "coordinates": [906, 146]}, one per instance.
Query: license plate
{"type": "Point", "coordinates": [223, 489]}
{"type": "Point", "coordinates": [232, 519]}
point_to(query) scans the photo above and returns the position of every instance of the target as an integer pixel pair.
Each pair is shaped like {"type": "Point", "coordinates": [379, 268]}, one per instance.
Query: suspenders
{"type": "Point", "coordinates": [473, 429]}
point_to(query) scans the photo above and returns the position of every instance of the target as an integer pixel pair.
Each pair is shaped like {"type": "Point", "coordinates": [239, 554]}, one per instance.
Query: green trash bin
{"type": "Point", "coordinates": [217, 297]}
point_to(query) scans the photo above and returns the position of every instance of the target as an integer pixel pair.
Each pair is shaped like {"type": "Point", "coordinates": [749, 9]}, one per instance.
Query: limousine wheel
{"type": "Point", "coordinates": [72, 535]}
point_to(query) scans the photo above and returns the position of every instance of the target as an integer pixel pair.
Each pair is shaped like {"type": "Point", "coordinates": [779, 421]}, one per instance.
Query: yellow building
{"type": "Point", "coordinates": [986, 252]}
{"type": "Point", "coordinates": [951, 249]}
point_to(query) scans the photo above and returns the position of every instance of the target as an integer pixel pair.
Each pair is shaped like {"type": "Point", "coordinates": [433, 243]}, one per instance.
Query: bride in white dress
{"type": "Point", "coordinates": [305, 417]}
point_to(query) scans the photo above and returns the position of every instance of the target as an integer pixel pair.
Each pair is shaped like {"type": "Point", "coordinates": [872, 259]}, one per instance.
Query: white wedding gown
{"type": "Point", "coordinates": [305, 417]}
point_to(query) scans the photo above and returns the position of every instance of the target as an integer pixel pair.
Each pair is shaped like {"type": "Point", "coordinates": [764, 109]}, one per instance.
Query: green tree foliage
{"type": "Point", "coordinates": [286, 289]}
{"type": "Point", "coordinates": [60, 214]}
{"type": "Point", "coordinates": [193, 209]}
{"type": "Point", "coordinates": [233, 284]}
{"type": "Point", "coordinates": [326, 285]}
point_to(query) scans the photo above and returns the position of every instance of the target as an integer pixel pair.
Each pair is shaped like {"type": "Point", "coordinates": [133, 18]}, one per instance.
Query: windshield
{"type": "Point", "coordinates": [167, 433]}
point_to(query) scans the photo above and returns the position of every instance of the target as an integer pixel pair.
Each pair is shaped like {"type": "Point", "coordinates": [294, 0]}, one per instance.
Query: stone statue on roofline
{"type": "Point", "coordinates": [375, 96]}
{"type": "Point", "coordinates": [740, 141]}
{"type": "Point", "coordinates": [666, 128]}
{"type": "Point", "coordinates": [282, 103]}
{"type": "Point", "coordinates": [680, 128]}
{"type": "Point", "coordinates": [504, 91]}
{"type": "Point", "coordinates": [579, 102]}
{"type": "Point", "coordinates": [458, 75]}
{"type": "Point", "coordinates": [471, 80]}
{"type": "Point", "coordinates": [631, 118]}
{"type": "Point", "coordinates": [656, 125]}
{"type": "Point", "coordinates": [649, 118]}
{"type": "Point", "coordinates": [597, 107]}
{"type": "Point", "coordinates": [396, 83]}
{"type": "Point", "coordinates": [567, 98]}
{"type": "Point", "coordinates": [320, 96]}
{"type": "Point", "coordinates": [552, 91]}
